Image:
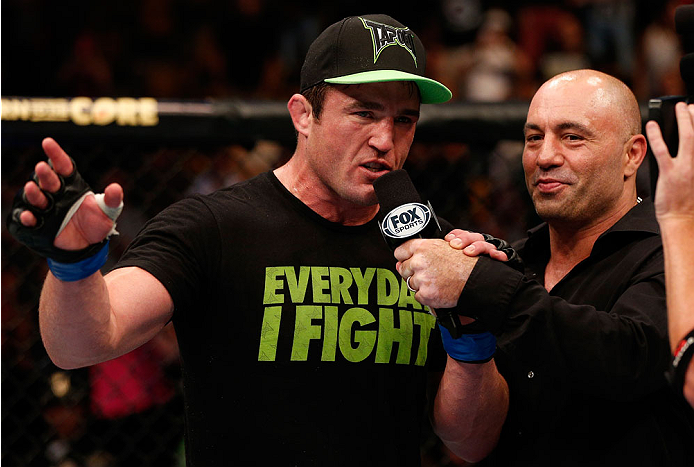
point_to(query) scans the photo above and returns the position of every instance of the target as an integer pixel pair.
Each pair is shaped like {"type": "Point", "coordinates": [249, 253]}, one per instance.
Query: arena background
{"type": "Point", "coordinates": [173, 97]}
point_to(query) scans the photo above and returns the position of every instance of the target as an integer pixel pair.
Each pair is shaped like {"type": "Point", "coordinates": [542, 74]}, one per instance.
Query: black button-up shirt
{"type": "Point", "coordinates": [585, 362]}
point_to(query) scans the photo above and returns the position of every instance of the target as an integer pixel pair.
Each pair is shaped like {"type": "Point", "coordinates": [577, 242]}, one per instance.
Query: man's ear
{"type": "Point", "coordinates": [301, 112]}
{"type": "Point", "coordinates": [635, 151]}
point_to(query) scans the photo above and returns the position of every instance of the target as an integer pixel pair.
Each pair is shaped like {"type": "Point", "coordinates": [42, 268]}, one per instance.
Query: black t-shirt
{"type": "Point", "coordinates": [300, 343]}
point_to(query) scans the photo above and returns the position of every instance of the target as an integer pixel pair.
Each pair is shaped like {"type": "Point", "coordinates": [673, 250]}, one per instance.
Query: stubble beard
{"type": "Point", "coordinates": [553, 210]}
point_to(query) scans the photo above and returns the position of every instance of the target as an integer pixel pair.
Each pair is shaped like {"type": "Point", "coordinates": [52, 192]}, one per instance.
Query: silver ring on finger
{"type": "Point", "coordinates": [407, 281]}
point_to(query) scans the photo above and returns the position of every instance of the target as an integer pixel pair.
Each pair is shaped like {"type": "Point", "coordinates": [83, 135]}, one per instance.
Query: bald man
{"type": "Point", "coordinates": [582, 345]}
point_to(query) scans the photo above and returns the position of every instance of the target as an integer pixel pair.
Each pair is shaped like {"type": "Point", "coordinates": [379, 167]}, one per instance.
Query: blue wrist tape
{"type": "Point", "coordinates": [469, 348]}
{"type": "Point", "coordinates": [70, 272]}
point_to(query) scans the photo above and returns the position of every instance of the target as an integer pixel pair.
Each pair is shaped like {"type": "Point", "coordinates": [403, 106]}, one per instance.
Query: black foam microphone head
{"type": "Point", "coordinates": [395, 188]}
{"type": "Point", "coordinates": [403, 216]}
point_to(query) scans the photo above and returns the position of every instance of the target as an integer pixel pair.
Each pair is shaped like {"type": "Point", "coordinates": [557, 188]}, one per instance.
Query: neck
{"type": "Point", "coordinates": [570, 243]}
{"type": "Point", "coordinates": [325, 202]}
{"type": "Point", "coordinates": [576, 237]}
{"type": "Point", "coordinates": [572, 246]}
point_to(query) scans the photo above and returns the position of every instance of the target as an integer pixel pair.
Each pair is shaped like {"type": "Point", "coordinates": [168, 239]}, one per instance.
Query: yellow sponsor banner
{"type": "Point", "coordinates": [123, 111]}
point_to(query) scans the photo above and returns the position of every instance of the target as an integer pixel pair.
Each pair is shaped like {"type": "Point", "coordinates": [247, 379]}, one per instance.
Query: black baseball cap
{"type": "Point", "coordinates": [370, 49]}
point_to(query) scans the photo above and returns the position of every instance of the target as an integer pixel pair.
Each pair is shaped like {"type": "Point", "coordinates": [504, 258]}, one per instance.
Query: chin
{"type": "Point", "coordinates": [368, 201]}
{"type": "Point", "coordinates": [366, 198]}
{"type": "Point", "coordinates": [550, 211]}
{"type": "Point", "coordinates": [361, 199]}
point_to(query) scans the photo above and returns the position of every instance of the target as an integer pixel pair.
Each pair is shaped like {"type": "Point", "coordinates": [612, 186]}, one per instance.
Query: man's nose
{"type": "Point", "coordinates": [383, 137]}
{"type": "Point", "coordinates": [550, 153]}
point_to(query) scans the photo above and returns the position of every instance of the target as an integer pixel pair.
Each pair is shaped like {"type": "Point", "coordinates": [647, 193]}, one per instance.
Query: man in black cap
{"type": "Point", "coordinates": [283, 280]}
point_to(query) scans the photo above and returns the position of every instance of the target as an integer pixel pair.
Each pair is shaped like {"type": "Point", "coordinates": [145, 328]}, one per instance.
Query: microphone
{"type": "Point", "coordinates": [403, 216]}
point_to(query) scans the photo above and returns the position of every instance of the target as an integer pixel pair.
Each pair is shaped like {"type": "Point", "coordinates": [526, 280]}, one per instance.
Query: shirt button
{"type": "Point", "coordinates": [531, 374]}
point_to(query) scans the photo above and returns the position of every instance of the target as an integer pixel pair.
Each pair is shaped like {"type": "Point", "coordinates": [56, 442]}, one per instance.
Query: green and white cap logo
{"type": "Point", "coordinates": [384, 35]}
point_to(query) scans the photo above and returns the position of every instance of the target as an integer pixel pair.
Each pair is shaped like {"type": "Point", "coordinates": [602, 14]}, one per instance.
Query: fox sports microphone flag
{"type": "Point", "coordinates": [403, 215]}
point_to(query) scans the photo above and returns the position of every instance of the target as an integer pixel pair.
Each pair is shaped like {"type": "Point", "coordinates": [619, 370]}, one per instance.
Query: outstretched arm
{"type": "Point", "coordinates": [85, 320]}
{"type": "Point", "coordinates": [674, 204]}
{"type": "Point", "coordinates": [99, 318]}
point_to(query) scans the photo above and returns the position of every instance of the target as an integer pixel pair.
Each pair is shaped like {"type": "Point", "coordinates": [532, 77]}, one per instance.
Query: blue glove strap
{"type": "Point", "coordinates": [70, 272]}
{"type": "Point", "coordinates": [469, 348]}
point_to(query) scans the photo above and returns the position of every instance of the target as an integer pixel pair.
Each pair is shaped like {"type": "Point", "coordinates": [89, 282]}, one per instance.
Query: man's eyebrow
{"type": "Point", "coordinates": [369, 105]}
{"type": "Point", "coordinates": [560, 127]}
{"type": "Point", "coordinates": [411, 112]}
{"type": "Point", "coordinates": [575, 126]}
{"type": "Point", "coordinates": [530, 126]}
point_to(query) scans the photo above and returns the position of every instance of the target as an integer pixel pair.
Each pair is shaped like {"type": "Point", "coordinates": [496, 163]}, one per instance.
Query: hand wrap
{"type": "Point", "coordinates": [469, 348]}
{"type": "Point", "coordinates": [50, 221]}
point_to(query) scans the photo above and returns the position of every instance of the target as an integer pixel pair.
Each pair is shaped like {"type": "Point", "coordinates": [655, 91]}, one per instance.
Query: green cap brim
{"type": "Point", "coordinates": [431, 91]}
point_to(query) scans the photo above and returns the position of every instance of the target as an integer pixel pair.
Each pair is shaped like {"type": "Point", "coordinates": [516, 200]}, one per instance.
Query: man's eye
{"type": "Point", "coordinates": [532, 138]}
{"type": "Point", "coordinates": [363, 113]}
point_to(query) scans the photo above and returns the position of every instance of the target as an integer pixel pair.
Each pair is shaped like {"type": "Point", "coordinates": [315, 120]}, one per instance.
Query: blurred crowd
{"type": "Point", "coordinates": [484, 50]}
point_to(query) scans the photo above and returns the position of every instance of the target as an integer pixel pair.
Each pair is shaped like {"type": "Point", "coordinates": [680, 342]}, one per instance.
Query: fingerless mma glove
{"type": "Point", "coordinates": [476, 342]}
{"type": "Point", "coordinates": [514, 260]}
{"type": "Point", "coordinates": [65, 264]}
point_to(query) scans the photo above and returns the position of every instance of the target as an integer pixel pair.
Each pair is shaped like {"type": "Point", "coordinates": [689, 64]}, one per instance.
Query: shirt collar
{"type": "Point", "coordinates": [640, 219]}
